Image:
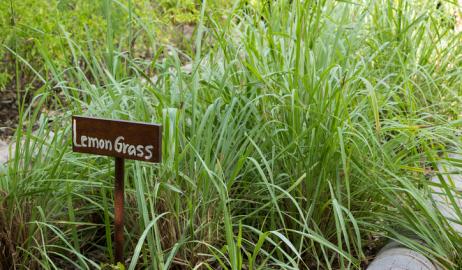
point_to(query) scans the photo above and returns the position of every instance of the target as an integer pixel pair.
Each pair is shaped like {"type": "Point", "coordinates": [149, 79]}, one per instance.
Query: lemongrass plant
{"type": "Point", "coordinates": [302, 138]}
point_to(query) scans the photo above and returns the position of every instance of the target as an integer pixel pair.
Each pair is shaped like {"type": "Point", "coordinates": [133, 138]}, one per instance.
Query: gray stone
{"type": "Point", "coordinates": [7, 150]}
{"type": "Point", "coordinates": [452, 177]}
{"type": "Point", "coordinates": [4, 152]}
{"type": "Point", "coordinates": [394, 256]}
{"type": "Point", "coordinates": [187, 68]}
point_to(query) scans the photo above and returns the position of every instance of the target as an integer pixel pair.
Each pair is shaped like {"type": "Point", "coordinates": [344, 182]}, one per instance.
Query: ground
{"type": "Point", "coordinates": [8, 113]}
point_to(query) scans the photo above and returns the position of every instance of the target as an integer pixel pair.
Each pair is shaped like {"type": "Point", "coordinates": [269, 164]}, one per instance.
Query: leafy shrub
{"type": "Point", "coordinates": [32, 27]}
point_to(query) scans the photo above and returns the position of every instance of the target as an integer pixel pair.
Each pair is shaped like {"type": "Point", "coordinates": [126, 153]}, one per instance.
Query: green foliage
{"type": "Point", "coordinates": [22, 26]}
{"type": "Point", "coordinates": [180, 11]}
{"type": "Point", "coordinates": [119, 266]}
{"type": "Point", "coordinates": [302, 137]}
{"type": "Point", "coordinates": [48, 25]}
{"type": "Point", "coordinates": [4, 79]}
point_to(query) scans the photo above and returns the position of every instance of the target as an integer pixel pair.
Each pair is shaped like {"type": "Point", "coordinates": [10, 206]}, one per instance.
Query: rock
{"type": "Point", "coordinates": [394, 256]}
{"type": "Point", "coordinates": [7, 150]}
{"type": "Point", "coordinates": [187, 68]}
{"type": "Point", "coordinates": [453, 178]}
{"type": "Point", "coordinates": [4, 152]}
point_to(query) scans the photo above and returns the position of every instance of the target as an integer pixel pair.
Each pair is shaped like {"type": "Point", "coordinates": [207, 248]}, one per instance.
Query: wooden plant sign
{"type": "Point", "coordinates": [122, 140]}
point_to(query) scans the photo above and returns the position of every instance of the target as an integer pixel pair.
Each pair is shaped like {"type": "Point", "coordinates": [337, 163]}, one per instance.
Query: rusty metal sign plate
{"type": "Point", "coordinates": [117, 138]}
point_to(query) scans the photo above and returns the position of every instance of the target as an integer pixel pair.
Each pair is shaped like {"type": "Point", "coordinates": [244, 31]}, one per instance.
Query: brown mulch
{"type": "Point", "coordinates": [8, 113]}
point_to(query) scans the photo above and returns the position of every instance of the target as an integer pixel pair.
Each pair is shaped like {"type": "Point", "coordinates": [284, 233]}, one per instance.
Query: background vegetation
{"type": "Point", "coordinates": [297, 134]}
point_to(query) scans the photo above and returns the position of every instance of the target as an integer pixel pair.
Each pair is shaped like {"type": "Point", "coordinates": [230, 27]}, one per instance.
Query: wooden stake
{"type": "Point", "coordinates": [119, 210]}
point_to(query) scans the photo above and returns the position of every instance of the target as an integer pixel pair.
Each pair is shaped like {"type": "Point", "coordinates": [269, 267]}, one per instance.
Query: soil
{"type": "Point", "coordinates": [9, 110]}
{"type": "Point", "coordinates": [8, 113]}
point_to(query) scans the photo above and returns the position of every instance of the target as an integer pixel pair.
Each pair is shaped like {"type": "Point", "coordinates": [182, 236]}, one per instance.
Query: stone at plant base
{"type": "Point", "coordinates": [7, 149]}
{"type": "Point", "coordinates": [187, 68]}
{"type": "Point", "coordinates": [453, 178]}
{"type": "Point", "coordinates": [396, 257]}
{"type": "Point", "coordinates": [3, 152]}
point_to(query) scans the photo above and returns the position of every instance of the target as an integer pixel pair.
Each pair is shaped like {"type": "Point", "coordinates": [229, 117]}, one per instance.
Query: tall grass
{"type": "Point", "coordinates": [302, 138]}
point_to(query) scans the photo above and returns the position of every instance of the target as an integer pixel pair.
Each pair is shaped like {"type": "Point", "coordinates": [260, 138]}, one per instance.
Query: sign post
{"type": "Point", "coordinates": [119, 209]}
{"type": "Point", "coordinates": [122, 140]}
